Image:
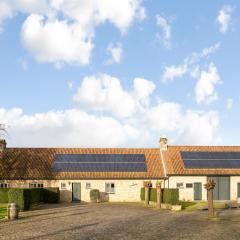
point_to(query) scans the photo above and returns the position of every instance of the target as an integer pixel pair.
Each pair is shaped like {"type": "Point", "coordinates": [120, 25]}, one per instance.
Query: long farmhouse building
{"type": "Point", "coordinates": [120, 172]}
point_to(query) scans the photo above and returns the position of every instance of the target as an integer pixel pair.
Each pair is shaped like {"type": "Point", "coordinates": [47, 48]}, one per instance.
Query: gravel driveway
{"type": "Point", "coordinates": [120, 222]}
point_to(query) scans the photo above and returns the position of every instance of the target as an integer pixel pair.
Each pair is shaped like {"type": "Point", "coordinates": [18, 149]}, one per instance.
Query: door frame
{"type": "Point", "coordinates": [238, 189]}
{"type": "Point", "coordinates": [200, 183]}
{"type": "Point", "coordinates": [79, 192]}
{"type": "Point", "coordinates": [216, 190]}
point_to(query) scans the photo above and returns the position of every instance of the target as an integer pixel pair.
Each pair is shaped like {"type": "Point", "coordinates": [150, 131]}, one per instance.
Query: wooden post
{"type": "Point", "coordinates": [159, 194]}
{"type": "Point", "coordinates": [147, 186]}
{"type": "Point", "coordinates": [209, 186]}
{"type": "Point", "coordinates": [146, 196]}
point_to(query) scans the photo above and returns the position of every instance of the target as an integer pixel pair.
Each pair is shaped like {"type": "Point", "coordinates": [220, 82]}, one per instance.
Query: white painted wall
{"type": "Point", "coordinates": [125, 190]}
{"type": "Point", "coordinates": [187, 194]}
{"type": "Point", "coordinates": [234, 180]}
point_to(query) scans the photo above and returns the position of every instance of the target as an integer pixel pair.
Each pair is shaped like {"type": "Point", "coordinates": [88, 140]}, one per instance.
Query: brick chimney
{"type": "Point", "coordinates": [3, 145]}
{"type": "Point", "coordinates": [163, 143]}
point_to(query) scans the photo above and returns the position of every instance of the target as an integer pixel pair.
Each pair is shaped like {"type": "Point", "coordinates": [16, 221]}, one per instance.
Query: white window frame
{"type": "Point", "coordinates": [4, 185]}
{"type": "Point", "coordinates": [88, 185]}
{"type": "Point", "coordinates": [189, 183]}
{"type": "Point", "coordinates": [180, 183]}
{"type": "Point", "coordinates": [110, 187]}
{"type": "Point", "coordinates": [62, 185]}
{"type": "Point", "coordinates": [36, 185]}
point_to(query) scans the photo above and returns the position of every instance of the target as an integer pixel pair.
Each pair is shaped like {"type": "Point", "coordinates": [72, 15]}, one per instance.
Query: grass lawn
{"type": "Point", "coordinates": [190, 206]}
{"type": "Point", "coordinates": [3, 210]}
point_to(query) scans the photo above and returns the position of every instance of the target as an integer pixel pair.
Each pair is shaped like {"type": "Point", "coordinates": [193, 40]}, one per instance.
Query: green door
{"type": "Point", "coordinates": [216, 188]}
{"type": "Point", "coordinates": [222, 187]}
{"type": "Point", "coordinates": [76, 192]}
{"type": "Point", "coordinates": [197, 191]}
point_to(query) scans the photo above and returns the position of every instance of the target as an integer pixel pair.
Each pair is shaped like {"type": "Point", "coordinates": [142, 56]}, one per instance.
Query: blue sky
{"type": "Point", "coordinates": [98, 73]}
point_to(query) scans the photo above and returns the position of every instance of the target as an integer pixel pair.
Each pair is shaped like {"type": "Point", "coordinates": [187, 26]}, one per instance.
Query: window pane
{"type": "Point", "coordinates": [107, 187]}
{"type": "Point", "coordinates": [179, 185]}
{"type": "Point", "coordinates": [112, 187]}
{"type": "Point", "coordinates": [189, 185]}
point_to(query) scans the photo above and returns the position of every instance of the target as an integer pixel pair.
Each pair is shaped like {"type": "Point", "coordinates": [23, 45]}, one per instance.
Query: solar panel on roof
{"type": "Point", "coordinates": [99, 163]}
{"type": "Point", "coordinates": [211, 159]}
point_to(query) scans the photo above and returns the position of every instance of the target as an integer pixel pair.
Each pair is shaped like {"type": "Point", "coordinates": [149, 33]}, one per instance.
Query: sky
{"type": "Point", "coordinates": [122, 73]}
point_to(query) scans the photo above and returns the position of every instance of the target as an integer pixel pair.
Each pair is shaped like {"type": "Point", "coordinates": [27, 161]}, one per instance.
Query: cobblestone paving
{"type": "Point", "coordinates": [120, 222]}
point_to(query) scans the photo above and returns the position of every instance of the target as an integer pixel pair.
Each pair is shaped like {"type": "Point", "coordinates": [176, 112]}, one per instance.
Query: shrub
{"type": "Point", "coordinates": [94, 195]}
{"type": "Point", "coordinates": [20, 196]}
{"type": "Point", "coordinates": [51, 195]}
{"type": "Point", "coordinates": [4, 195]}
{"type": "Point", "coordinates": [25, 197]}
{"type": "Point", "coordinates": [171, 196]}
{"type": "Point", "coordinates": [153, 194]}
{"type": "Point", "coordinates": [36, 195]}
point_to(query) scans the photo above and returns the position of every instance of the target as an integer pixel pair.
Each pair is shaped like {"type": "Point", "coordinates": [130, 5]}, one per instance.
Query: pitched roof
{"type": "Point", "coordinates": [175, 166]}
{"type": "Point", "coordinates": [36, 163]}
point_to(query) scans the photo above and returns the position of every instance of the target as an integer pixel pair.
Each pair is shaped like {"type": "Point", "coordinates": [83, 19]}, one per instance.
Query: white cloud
{"type": "Point", "coordinates": [166, 28]}
{"type": "Point", "coordinates": [224, 18]}
{"type": "Point", "coordinates": [115, 53]}
{"type": "Point", "coordinates": [62, 31]}
{"type": "Point", "coordinates": [56, 41]}
{"type": "Point", "coordinates": [195, 57]}
{"type": "Point", "coordinates": [65, 128]}
{"type": "Point", "coordinates": [77, 128]}
{"type": "Point", "coordinates": [9, 8]}
{"type": "Point", "coordinates": [142, 90]}
{"type": "Point", "coordinates": [189, 66]}
{"type": "Point", "coordinates": [105, 93]}
{"type": "Point", "coordinates": [205, 87]}
{"type": "Point", "coordinates": [199, 129]}
{"type": "Point", "coordinates": [172, 72]}
{"type": "Point", "coordinates": [229, 103]}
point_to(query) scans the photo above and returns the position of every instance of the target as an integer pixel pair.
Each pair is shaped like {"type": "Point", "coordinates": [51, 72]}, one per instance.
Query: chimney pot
{"type": "Point", "coordinates": [163, 143]}
{"type": "Point", "coordinates": [3, 145]}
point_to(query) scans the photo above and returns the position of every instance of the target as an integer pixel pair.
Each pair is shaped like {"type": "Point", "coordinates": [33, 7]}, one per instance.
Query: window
{"type": "Point", "coordinates": [109, 187]}
{"type": "Point", "coordinates": [88, 185]}
{"type": "Point", "coordinates": [63, 185]}
{"type": "Point", "coordinates": [180, 185]}
{"type": "Point", "coordinates": [4, 185]}
{"type": "Point", "coordinates": [35, 185]}
{"type": "Point", "coordinates": [189, 185]}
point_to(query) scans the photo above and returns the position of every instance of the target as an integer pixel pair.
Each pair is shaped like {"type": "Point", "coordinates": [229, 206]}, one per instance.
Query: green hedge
{"type": "Point", "coordinates": [20, 196]}
{"type": "Point", "coordinates": [4, 195]}
{"type": "Point", "coordinates": [170, 195]}
{"type": "Point", "coordinates": [25, 197]}
{"type": "Point", "coordinates": [51, 195]}
{"type": "Point", "coordinates": [36, 195]}
{"type": "Point", "coordinates": [94, 195]}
